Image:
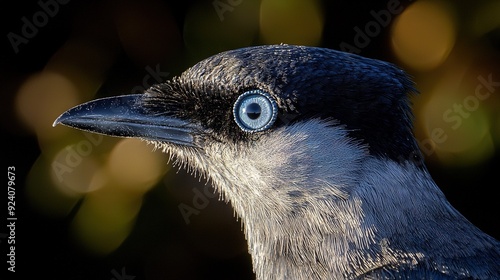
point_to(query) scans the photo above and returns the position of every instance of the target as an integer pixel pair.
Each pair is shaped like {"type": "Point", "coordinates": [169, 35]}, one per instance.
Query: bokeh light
{"type": "Point", "coordinates": [133, 165]}
{"type": "Point", "coordinates": [42, 98]}
{"type": "Point", "coordinates": [291, 22]}
{"type": "Point", "coordinates": [45, 196]}
{"type": "Point", "coordinates": [105, 219]}
{"type": "Point", "coordinates": [424, 34]}
{"type": "Point", "coordinates": [456, 124]}
{"type": "Point", "coordinates": [74, 168]}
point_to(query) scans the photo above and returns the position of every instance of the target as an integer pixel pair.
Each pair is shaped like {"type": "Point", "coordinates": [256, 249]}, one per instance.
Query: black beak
{"type": "Point", "coordinates": [123, 116]}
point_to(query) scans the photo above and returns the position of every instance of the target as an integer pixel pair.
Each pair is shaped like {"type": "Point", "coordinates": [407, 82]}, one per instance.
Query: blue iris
{"type": "Point", "coordinates": [255, 111]}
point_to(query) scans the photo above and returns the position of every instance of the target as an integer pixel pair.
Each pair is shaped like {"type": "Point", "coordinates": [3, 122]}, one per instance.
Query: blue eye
{"type": "Point", "coordinates": [255, 111]}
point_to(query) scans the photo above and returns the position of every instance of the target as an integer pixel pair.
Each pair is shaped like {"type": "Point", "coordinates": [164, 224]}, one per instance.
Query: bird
{"type": "Point", "coordinates": [314, 149]}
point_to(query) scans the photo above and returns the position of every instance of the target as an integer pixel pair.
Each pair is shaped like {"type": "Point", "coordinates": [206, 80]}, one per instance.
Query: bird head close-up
{"type": "Point", "coordinates": [314, 149]}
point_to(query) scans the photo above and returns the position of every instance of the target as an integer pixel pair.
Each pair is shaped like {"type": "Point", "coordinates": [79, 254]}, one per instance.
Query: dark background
{"type": "Point", "coordinates": [106, 48]}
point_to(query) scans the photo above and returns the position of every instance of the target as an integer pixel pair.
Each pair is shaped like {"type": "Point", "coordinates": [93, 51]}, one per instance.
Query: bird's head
{"type": "Point", "coordinates": [314, 149]}
{"type": "Point", "coordinates": [264, 118]}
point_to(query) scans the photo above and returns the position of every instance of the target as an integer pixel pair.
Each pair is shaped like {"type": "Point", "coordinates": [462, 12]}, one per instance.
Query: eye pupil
{"type": "Point", "coordinates": [253, 110]}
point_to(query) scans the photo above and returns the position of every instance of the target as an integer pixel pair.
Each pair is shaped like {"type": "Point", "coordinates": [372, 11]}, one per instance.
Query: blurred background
{"type": "Point", "coordinates": [95, 207]}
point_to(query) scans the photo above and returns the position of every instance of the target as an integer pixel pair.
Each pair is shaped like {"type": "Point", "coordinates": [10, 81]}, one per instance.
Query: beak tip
{"type": "Point", "coordinates": [58, 120]}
